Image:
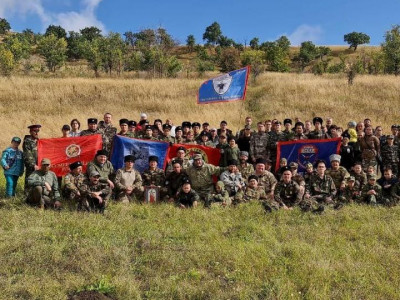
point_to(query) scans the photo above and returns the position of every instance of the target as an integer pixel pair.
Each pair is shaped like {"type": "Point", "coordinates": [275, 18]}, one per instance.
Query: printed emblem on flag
{"type": "Point", "coordinates": [222, 83]}
{"type": "Point", "coordinates": [307, 154]}
{"type": "Point", "coordinates": [73, 150]}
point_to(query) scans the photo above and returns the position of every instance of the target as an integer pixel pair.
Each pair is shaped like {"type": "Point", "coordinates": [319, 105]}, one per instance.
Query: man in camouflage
{"type": "Point", "coordinates": [287, 124]}
{"type": "Point", "coordinates": [351, 192]}
{"type": "Point", "coordinates": [92, 128]}
{"type": "Point", "coordinates": [167, 134]}
{"type": "Point", "coordinates": [72, 181]}
{"type": "Point", "coordinates": [266, 179]}
{"type": "Point", "coordinates": [338, 173]}
{"type": "Point", "coordinates": [124, 125]}
{"type": "Point", "coordinates": [128, 182]}
{"type": "Point", "coordinates": [296, 177]}
{"type": "Point", "coordinates": [204, 140]}
{"type": "Point", "coordinates": [181, 158]}
{"type": "Point", "coordinates": [287, 191]}
{"type": "Point", "coordinates": [94, 194]}
{"type": "Point", "coordinates": [244, 167]}
{"type": "Point", "coordinates": [148, 134]}
{"type": "Point", "coordinates": [370, 148]}
{"type": "Point", "coordinates": [155, 176]}
{"type": "Point", "coordinates": [29, 147]}
{"type": "Point", "coordinates": [299, 132]}
{"type": "Point", "coordinates": [103, 166]}
{"type": "Point", "coordinates": [258, 143]}
{"type": "Point", "coordinates": [388, 182]}
{"type": "Point", "coordinates": [390, 155]}
{"type": "Point", "coordinates": [220, 197]}
{"type": "Point", "coordinates": [371, 193]}
{"type": "Point", "coordinates": [108, 131]}
{"type": "Point", "coordinates": [275, 136]}
{"type": "Point", "coordinates": [317, 133]}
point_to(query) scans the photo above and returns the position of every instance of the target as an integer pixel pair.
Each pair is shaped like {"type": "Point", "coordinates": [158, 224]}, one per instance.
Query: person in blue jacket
{"type": "Point", "coordinates": [12, 161]}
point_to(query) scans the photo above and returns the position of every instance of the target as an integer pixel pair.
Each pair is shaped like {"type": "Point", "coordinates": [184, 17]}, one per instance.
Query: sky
{"type": "Point", "coordinates": [322, 22]}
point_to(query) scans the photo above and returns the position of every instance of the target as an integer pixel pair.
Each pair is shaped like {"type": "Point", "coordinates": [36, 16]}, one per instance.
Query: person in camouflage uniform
{"type": "Point", "coordinates": [370, 148]}
{"type": "Point", "coordinates": [287, 191]}
{"type": "Point", "coordinates": [220, 197]}
{"type": "Point", "coordinates": [244, 167]}
{"type": "Point", "coordinates": [29, 148]}
{"type": "Point", "coordinates": [338, 173]}
{"type": "Point", "coordinates": [317, 133]}
{"type": "Point", "coordinates": [204, 140]}
{"type": "Point", "coordinates": [148, 134]}
{"type": "Point", "coordinates": [265, 178]}
{"type": "Point", "coordinates": [175, 179]}
{"type": "Point", "coordinates": [387, 182]}
{"type": "Point", "coordinates": [252, 192]}
{"type": "Point", "coordinates": [181, 158]}
{"type": "Point", "coordinates": [94, 194]}
{"type": "Point", "coordinates": [351, 192]}
{"type": "Point", "coordinates": [103, 166]}
{"type": "Point", "coordinates": [190, 138]}
{"type": "Point", "coordinates": [167, 134]}
{"type": "Point", "coordinates": [288, 131]}
{"type": "Point", "coordinates": [232, 179]}
{"type": "Point", "coordinates": [390, 155]}
{"type": "Point", "coordinates": [275, 136]}
{"type": "Point", "coordinates": [155, 176]}
{"type": "Point", "coordinates": [309, 173]}
{"type": "Point", "coordinates": [200, 175]}
{"type": "Point", "coordinates": [108, 131]}
{"type": "Point", "coordinates": [296, 177]}
{"type": "Point", "coordinates": [320, 191]}
{"type": "Point", "coordinates": [222, 146]}
{"type": "Point", "coordinates": [128, 182]}
{"type": "Point", "coordinates": [179, 135]}
{"type": "Point", "coordinates": [371, 193]}
{"type": "Point", "coordinates": [43, 187]}
{"type": "Point", "coordinates": [92, 128]}
{"type": "Point", "coordinates": [360, 176]}
{"type": "Point", "coordinates": [72, 181]}
{"type": "Point", "coordinates": [132, 127]}
{"type": "Point", "coordinates": [124, 125]}
{"type": "Point", "coordinates": [196, 131]}
{"type": "Point", "coordinates": [258, 143]}
{"type": "Point", "coordinates": [299, 132]}
{"type": "Point", "coordinates": [396, 193]}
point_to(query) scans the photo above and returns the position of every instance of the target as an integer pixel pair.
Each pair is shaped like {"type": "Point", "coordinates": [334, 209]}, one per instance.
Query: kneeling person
{"type": "Point", "coordinates": [94, 194]}
{"type": "Point", "coordinates": [128, 182]}
{"type": "Point", "coordinates": [72, 181]}
{"type": "Point", "coordinates": [287, 191]}
{"type": "Point", "coordinates": [187, 197]}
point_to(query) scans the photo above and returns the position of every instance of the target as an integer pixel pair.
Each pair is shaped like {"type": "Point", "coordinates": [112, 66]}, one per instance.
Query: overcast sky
{"type": "Point", "coordinates": [323, 22]}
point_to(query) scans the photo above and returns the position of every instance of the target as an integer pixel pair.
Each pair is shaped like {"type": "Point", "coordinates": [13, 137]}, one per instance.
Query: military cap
{"type": "Point", "coordinates": [224, 122]}
{"type": "Point", "coordinates": [153, 158]}
{"type": "Point", "coordinates": [317, 119]}
{"type": "Point", "coordinates": [177, 161]}
{"type": "Point", "coordinates": [345, 135]}
{"type": "Point", "coordinates": [390, 136]}
{"type": "Point", "coordinates": [101, 152]}
{"type": "Point", "coordinates": [181, 148]}
{"type": "Point", "coordinates": [204, 133]}
{"type": "Point", "coordinates": [185, 180]}
{"type": "Point", "coordinates": [309, 165]}
{"type": "Point", "coordinates": [394, 126]}
{"type": "Point", "coordinates": [34, 126]}
{"type": "Point", "coordinates": [334, 157]}
{"type": "Point", "coordinates": [132, 123]}
{"type": "Point", "coordinates": [286, 168]}
{"type": "Point", "coordinates": [206, 124]}
{"type": "Point", "coordinates": [177, 128]}
{"type": "Point", "coordinates": [66, 127]}
{"type": "Point", "coordinates": [283, 160]}
{"type": "Point", "coordinates": [124, 121]}
{"type": "Point", "coordinates": [372, 176]}
{"type": "Point", "coordinates": [92, 121]}
{"type": "Point", "coordinates": [252, 177]}
{"type": "Point", "coordinates": [293, 165]}
{"type": "Point", "coordinates": [154, 127]}
{"type": "Point", "coordinates": [277, 122]}
{"type": "Point", "coordinates": [232, 162]}
{"type": "Point", "coordinates": [260, 160]}
{"type": "Point", "coordinates": [129, 158]}
{"type": "Point", "coordinates": [287, 121]}
{"type": "Point", "coordinates": [142, 122]}
{"type": "Point", "coordinates": [351, 178]}
{"type": "Point", "coordinates": [196, 124]}
{"type": "Point", "coordinates": [244, 153]}
{"type": "Point", "coordinates": [74, 165]}
{"type": "Point", "coordinates": [197, 156]}
{"type": "Point", "coordinates": [166, 126]}
{"type": "Point", "coordinates": [247, 127]}
{"type": "Point", "coordinates": [45, 161]}
{"type": "Point", "coordinates": [149, 127]}
{"type": "Point", "coordinates": [16, 139]}
{"type": "Point", "coordinates": [94, 173]}
{"type": "Point", "coordinates": [299, 124]}
{"type": "Point", "coordinates": [186, 124]}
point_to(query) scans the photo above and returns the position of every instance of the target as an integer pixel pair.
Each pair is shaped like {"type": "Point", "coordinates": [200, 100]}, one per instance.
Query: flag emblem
{"type": "Point", "coordinates": [73, 150]}
{"type": "Point", "coordinates": [222, 83]}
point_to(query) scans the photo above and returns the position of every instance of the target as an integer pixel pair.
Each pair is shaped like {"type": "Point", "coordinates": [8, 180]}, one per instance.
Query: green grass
{"type": "Point", "coordinates": [161, 252]}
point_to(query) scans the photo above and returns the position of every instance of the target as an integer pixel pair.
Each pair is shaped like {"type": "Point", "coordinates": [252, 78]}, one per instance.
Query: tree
{"type": "Point", "coordinates": [212, 33]}
{"type": "Point", "coordinates": [391, 50]}
{"type": "Point", "coordinates": [112, 49]}
{"type": "Point", "coordinates": [356, 38]}
{"type": "Point", "coordinates": [229, 59]}
{"type": "Point", "coordinates": [7, 62]}
{"type": "Point", "coordinates": [4, 26]}
{"type": "Point", "coordinates": [57, 31]}
{"type": "Point", "coordinates": [92, 53]}
{"type": "Point", "coordinates": [90, 33]}
{"type": "Point", "coordinates": [53, 50]}
{"type": "Point", "coordinates": [18, 45]}
{"type": "Point", "coordinates": [308, 52]}
{"type": "Point", "coordinates": [74, 40]}
{"type": "Point", "coordinates": [277, 54]}
{"type": "Point", "coordinates": [254, 43]}
{"type": "Point", "coordinates": [255, 59]}
{"type": "Point", "coordinates": [190, 42]}
{"type": "Point", "coordinates": [225, 42]}
{"type": "Point", "coordinates": [283, 43]}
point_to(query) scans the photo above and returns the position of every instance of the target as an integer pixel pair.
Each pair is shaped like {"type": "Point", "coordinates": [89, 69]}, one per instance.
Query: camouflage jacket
{"type": "Point", "coordinates": [246, 170]}
{"type": "Point", "coordinates": [339, 176]}
{"type": "Point", "coordinates": [87, 188]}
{"type": "Point", "coordinates": [258, 145]}
{"type": "Point", "coordinates": [221, 196]}
{"type": "Point", "coordinates": [287, 193]}
{"type": "Point", "coordinates": [168, 139]}
{"type": "Point", "coordinates": [146, 137]}
{"type": "Point", "coordinates": [201, 177]}
{"type": "Point", "coordinates": [179, 140]}
{"type": "Point", "coordinates": [106, 171]}
{"type": "Point", "coordinates": [72, 182]}
{"type": "Point", "coordinates": [90, 132]}
{"type": "Point", "coordinates": [317, 135]}
{"type": "Point", "coordinates": [351, 194]}
{"type": "Point", "coordinates": [390, 154]}
{"type": "Point", "coordinates": [366, 188]}
{"type": "Point", "coordinates": [107, 131]}
{"type": "Point", "coordinates": [38, 178]}
{"type": "Point", "coordinates": [267, 180]}
{"type": "Point", "coordinates": [124, 179]}
{"type": "Point", "coordinates": [185, 164]}
{"type": "Point", "coordinates": [361, 179]}
{"type": "Point", "coordinates": [251, 194]}
{"type": "Point", "coordinates": [127, 134]}
{"type": "Point", "coordinates": [274, 138]}
{"type": "Point", "coordinates": [324, 186]}
{"type": "Point", "coordinates": [206, 144]}
{"type": "Point", "coordinates": [29, 148]}
{"type": "Point", "coordinates": [156, 177]}
{"type": "Point", "coordinates": [187, 199]}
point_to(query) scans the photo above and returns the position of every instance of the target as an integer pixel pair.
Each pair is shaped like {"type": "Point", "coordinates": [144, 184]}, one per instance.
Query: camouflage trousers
{"type": "Point", "coordinates": [91, 204]}
{"type": "Point", "coordinates": [39, 196]}
{"type": "Point", "coordinates": [369, 162]}
{"type": "Point", "coordinates": [315, 202]}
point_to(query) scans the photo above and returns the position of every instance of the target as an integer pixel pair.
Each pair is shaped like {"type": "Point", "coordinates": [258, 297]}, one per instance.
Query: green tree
{"type": "Point", "coordinates": [57, 31]}
{"type": "Point", "coordinates": [225, 42]}
{"type": "Point", "coordinates": [254, 59]}
{"type": "Point", "coordinates": [4, 26]}
{"type": "Point", "coordinates": [190, 42]}
{"type": "Point", "coordinates": [391, 50]}
{"type": "Point", "coordinates": [112, 51]}
{"type": "Point", "coordinates": [277, 55]}
{"type": "Point", "coordinates": [92, 53]}
{"type": "Point", "coordinates": [254, 43]}
{"type": "Point", "coordinates": [283, 43]}
{"type": "Point", "coordinates": [74, 41]}
{"type": "Point", "coordinates": [212, 34]}
{"type": "Point", "coordinates": [53, 50]}
{"type": "Point", "coordinates": [18, 45]}
{"type": "Point", "coordinates": [308, 52]}
{"type": "Point", "coordinates": [7, 62]}
{"type": "Point", "coordinates": [229, 59]}
{"type": "Point", "coordinates": [90, 33]}
{"type": "Point", "coordinates": [356, 38]}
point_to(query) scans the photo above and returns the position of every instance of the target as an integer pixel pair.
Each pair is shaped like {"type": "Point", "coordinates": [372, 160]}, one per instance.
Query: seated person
{"type": "Point", "coordinates": [94, 194]}
{"type": "Point", "coordinates": [72, 181]}
{"type": "Point", "coordinates": [187, 197]}
{"type": "Point", "coordinates": [128, 182]}
{"type": "Point", "coordinates": [220, 197]}
{"type": "Point", "coordinates": [232, 178]}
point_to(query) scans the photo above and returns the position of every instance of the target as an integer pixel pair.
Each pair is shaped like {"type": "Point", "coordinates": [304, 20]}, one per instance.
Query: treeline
{"type": "Point", "coordinates": [154, 51]}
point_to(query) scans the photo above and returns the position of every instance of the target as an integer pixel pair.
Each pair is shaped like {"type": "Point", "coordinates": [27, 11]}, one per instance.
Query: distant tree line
{"type": "Point", "coordinates": [156, 52]}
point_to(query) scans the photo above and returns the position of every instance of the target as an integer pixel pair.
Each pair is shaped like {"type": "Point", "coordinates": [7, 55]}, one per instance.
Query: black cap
{"type": "Point", "coordinates": [166, 126]}
{"type": "Point", "coordinates": [153, 158]}
{"type": "Point", "coordinates": [260, 160]}
{"type": "Point", "coordinates": [206, 124]}
{"type": "Point", "coordinates": [132, 123]}
{"type": "Point", "coordinates": [185, 180]}
{"type": "Point", "coordinates": [142, 122]}
{"type": "Point", "coordinates": [92, 121]}
{"type": "Point", "coordinates": [286, 168]}
{"type": "Point", "coordinates": [299, 124]}
{"type": "Point", "coordinates": [224, 122]}
{"type": "Point", "coordinates": [196, 124]}
{"type": "Point", "coordinates": [101, 152]}
{"type": "Point", "coordinates": [181, 148]}
{"type": "Point", "coordinates": [204, 133]}
{"type": "Point", "coordinates": [287, 121]}
{"type": "Point", "coordinates": [278, 122]}
{"type": "Point", "coordinates": [149, 127]}
{"type": "Point", "coordinates": [252, 177]}
{"type": "Point", "coordinates": [123, 121]}
{"type": "Point", "coordinates": [34, 126]}
{"type": "Point", "coordinates": [66, 127]}
{"type": "Point", "coordinates": [345, 135]}
{"type": "Point", "coordinates": [177, 128]}
{"type": "Point", "coordinates": [317, 119]}
{"type": "Point", "coordinates": [232, 162]}
{"type": "Point", "coordinates": [75, 165]}
{"type": "Point", "coordinates": [129, 158]}
{"type": "Point", "coordinates": [157, 121]}
{"type": "Point", "coordinates": [186, 124]}
{"type": "Point", "coordinates": [177, 161]}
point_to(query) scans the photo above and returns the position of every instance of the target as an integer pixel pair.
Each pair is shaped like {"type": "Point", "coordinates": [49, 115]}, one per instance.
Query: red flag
{"type": "Point", "coordinates": [64, 151]}
{"type": "Point", "coordinates": [210, 155]}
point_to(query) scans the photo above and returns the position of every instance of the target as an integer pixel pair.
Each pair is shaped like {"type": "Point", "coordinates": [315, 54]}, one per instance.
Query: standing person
{"type": "Point", "coordinates": [346, 152]}
{"type": "Point", "coordinates": [275, 136]}
{"type": "Point", "coordinates": [92, 128]}
{"type": "Point", "coordinates": [370, 148]}
{"type": "Point", "coordinates": [390, 156]}
{"type": "Point", "coordinates": [124, 125]}
{"type": "Point", "coordinates": [29, 147]}
{"type": "Point", "coordinates": [12, 162]}
{"type": "Point", "coordinates": [65, 131]}
{"type": "Point", "coordinates": [247, 126]}
{"type": "Point", "coordinates": [243, 141]}
{"type": "Point", "coordinates": [108, 131]}
{"type": "Point", "coordinates": [75, 128]}
{"type": "Point", "coordinates": [258, 143]}
{"type": "Point", "coordinates": [299, 132]}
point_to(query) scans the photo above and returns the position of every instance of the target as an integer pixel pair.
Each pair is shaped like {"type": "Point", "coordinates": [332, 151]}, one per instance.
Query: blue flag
{"type": "Point", "coordinates": [140, 149]}
{"type": "Point", "coordinates": [227, 87]}
{"type": "Point", "coordinates": [307, 151]}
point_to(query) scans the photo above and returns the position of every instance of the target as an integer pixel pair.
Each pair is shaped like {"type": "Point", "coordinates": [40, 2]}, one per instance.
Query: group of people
{"type": "Point", "coordinates": [246, 170]}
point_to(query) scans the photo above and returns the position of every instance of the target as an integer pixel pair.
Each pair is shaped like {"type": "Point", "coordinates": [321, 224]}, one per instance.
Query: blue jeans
{"type": "Point", "coordinates": [11, 184]}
